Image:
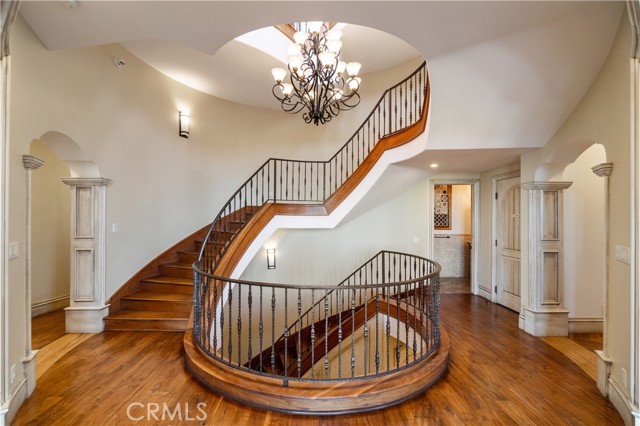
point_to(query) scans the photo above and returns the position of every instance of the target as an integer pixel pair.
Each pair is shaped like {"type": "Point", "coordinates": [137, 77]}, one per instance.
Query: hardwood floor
{"type": "Point", "coordinates": [455, 285]}
{"type": "Point", "coordinates": [47, 328]}
{"type": "Point", "coordinates": [498, 375]}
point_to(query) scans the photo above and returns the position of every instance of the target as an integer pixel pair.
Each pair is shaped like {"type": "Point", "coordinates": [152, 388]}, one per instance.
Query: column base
{"type": "Point", "coordinates": [29, 366]}
{"type": "Point", "coordinates": [604, 370]}
{"type": "Point", "coordinates": [546, 322]}
{"type": "Point", "coordinates": [80, 319]}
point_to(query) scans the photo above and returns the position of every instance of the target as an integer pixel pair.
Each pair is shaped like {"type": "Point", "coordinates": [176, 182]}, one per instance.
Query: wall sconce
{"type": "Point", "coordinates": [184, 124]}
{"type": "Point", "coordinates": [271, 258]}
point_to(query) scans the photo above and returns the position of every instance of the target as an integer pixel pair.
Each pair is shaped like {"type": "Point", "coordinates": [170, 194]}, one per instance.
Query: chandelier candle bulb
{"type": "Point", "coordinates": [354, 83]}
{"type": "Point", "coordinates": [315, 26]}
{"type": "Point", "coordinates": [342, 65]}
{"type": "Point", "coordinates": [334, 46]}
{"type": "Point", "coordinates": [287, 89]}
{"type": "Point", "coordinates": [295, 61]}
{"type": "Point", "coordinates": [294, 49]}
{"type": "Point", "coordinates": [334, 35]}
{"type": "Point", "coordinates": [353, 68]}
{"type": "Point", "coordinates": [278, 74]}
{"type": "Point", "coordinates": [300, 37]}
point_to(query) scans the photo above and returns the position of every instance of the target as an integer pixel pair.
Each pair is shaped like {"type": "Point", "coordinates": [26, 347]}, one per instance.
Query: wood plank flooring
{"type": "Point", "coordinates": [498, 375]}
{"type": "Point", "coordinates": [47, 328]}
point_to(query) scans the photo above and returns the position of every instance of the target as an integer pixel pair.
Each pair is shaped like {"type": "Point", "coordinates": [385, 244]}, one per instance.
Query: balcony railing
{"type": "Point", "coordinates": [381, 319]}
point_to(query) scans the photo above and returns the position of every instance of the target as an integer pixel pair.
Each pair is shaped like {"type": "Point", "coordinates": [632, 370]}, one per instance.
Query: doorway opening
{"type": "Point", "coordinates": [453, 235]}
{"type": "Point", "coordinates": [50, 246]}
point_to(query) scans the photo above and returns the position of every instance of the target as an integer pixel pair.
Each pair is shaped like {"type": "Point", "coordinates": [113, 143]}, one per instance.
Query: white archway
{"type": "Point", "coordinates": [87, 235]}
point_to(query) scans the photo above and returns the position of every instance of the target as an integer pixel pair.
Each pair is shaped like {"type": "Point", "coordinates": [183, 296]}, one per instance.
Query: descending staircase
{"type": "Point", "coordinates": [160, 297]}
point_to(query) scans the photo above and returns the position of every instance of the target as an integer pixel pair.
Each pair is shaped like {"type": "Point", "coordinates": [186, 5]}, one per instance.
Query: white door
{"type": "Point", "coordinates": [508, 243]}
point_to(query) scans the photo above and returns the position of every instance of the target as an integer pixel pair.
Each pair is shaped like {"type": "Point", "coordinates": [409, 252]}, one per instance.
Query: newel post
{"type": "Point", "coordinates": [544, 315]}
{"type": "Point", "coordinates": [88, 223]}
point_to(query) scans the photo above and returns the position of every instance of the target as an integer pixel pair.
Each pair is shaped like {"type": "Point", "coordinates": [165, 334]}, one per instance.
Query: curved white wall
{"type": "Point", "coordinates": [584, 237]}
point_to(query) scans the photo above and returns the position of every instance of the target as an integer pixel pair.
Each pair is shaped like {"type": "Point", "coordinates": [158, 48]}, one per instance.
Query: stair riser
{"type": "Point", "coordinates": [157, 305]}
{"type": "Point", "coordinates": [157, 325]}
{"type": "Point", "coordinates": [176, 271]}
{"type": "Point", "coordinates": [187, 257]}
{"type": "Point", "coordinates": [216, 247]}
{"type": "Point", "coordinates": [167, 288]}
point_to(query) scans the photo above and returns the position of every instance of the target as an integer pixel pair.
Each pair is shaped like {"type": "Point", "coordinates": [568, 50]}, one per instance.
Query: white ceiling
{"type": "Point", "coordinates": [237, 64]}
{"type": "Point", "coordinates": [505, 75]}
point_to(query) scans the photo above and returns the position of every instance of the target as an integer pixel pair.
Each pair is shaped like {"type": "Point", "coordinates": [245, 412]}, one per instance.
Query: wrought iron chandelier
{"type": "Point", "coordinates": [318, 81]}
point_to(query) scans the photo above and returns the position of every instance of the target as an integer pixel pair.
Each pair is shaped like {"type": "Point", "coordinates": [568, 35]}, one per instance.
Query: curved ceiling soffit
{"type": "Point", "coordinates": [562, 156]}
{"type": "Point", "coordinates": [68, 150]}
{"type": "Point", "coordinates": [246, 61]}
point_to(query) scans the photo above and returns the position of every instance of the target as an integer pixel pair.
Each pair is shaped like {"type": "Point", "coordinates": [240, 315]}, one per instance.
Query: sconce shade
{"type": "Point", "coordinates": [184, 124]}
{"type": "Point", "coordinates": [271, 258]}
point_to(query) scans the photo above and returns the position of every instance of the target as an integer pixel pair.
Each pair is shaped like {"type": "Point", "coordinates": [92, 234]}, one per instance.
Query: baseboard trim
{"type": "Point", "coordinates": [586, 325]}
{"type": "Point", "coordinates": [484, 292]}
{"type": "Point", "coordinates": [620, 401]}
{"type": "Point", "coordinates": [10, 408]}
{"type": "Point", "coordinates": [50, 305]}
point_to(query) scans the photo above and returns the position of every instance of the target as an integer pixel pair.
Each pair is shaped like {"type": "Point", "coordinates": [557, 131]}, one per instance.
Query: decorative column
{"type": "Point", "coordinates": [30, 163]}
{"type": "Point", "coordinates": [87, 297]}
{"type": "Point", "coordinates": [604, 361]}
{"type": "Point", "coordinates": [544, 315]}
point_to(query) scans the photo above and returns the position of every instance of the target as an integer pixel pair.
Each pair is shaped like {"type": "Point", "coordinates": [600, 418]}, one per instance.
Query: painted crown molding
{"type": "Point", "coordinates": [79, 181]}
{"type": "Point", "coordinates": [546, 186]}
{"type": "Point", "coordinates": [603, 170]}
{"type": "Point", "coordinates": [31, 162]}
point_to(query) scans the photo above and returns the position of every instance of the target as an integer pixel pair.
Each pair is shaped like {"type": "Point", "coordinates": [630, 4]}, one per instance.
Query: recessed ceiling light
{"type": "Point", "coordinates": [434, 165]}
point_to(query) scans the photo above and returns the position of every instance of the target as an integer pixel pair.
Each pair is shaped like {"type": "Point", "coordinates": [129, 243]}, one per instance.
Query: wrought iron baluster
{"type": "Point", "coordinates": [239, 331]}
{"type": "Point", "coordinates": [353, 333]}
{"type": "Point", "coordinates": [250, 305]}
{"type": "Point", "coordinates": [261, 329]}
{"type": "Point", "coordinates": [340, 302]}
{"type": "Point", "coordinates": [313, 334]}
{"type": "Point", "coordinates": [377, 332]}
{"type": "Point", "coordinates": [273, 330]}
{"type": "Point", "coordinates": [230, 301]}
{"type": "Point", "coordinates": [286, 338]}
{"type": "Point", "coordinates": [299, 360]}
{"type": "Point", "coordinates": [326, 335]}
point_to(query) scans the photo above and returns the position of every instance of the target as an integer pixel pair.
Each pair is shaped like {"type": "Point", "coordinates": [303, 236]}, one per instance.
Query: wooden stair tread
{"type": "Point", "coordinates": [154, 295]}
{"type": "Point", "coordinates": [187, 265]}
{"type": "Point", "coordinates": [131, 314]}
{"type": "Point", "coordinates": [169, 280]}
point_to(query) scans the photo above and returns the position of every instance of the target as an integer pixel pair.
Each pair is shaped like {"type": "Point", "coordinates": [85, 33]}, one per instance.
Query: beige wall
{"type": "Point", "coordinates": [50, 222]}
{"type": "Point", "coordinates": [584, 236]}
{"type": "Point", "coordinates": [327, 256]}
{"type": "Point", "coordinates": [603, 116]}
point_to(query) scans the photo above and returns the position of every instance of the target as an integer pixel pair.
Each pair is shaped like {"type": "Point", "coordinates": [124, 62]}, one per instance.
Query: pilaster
{"type": "Point", "coordinates": [544, 315]}
{"type": "Point", "coordinates": [604, 170]}
{"type": "Point", "coordinates": [88, 223]}
{"type": "Point", "coordinates": [30, 163]}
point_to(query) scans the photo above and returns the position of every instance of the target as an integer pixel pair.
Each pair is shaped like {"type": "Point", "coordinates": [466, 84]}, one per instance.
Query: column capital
{"type": "Point", "coordinates": [31, 162]}
{"type": "Point", "coordinates": [603, 170]}
{"type": "Point", "coordinates": [546, 186]}
{"type": "Point", "coordinates": [80, 181]}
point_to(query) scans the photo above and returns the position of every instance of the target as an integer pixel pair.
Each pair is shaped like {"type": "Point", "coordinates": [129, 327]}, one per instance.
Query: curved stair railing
{"type": "Point", "coordinates": [316, 182]}
{"type": "Point", "coordinates": [325, 321]}
{"type": "Point", "coordinates": [354, 330]}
